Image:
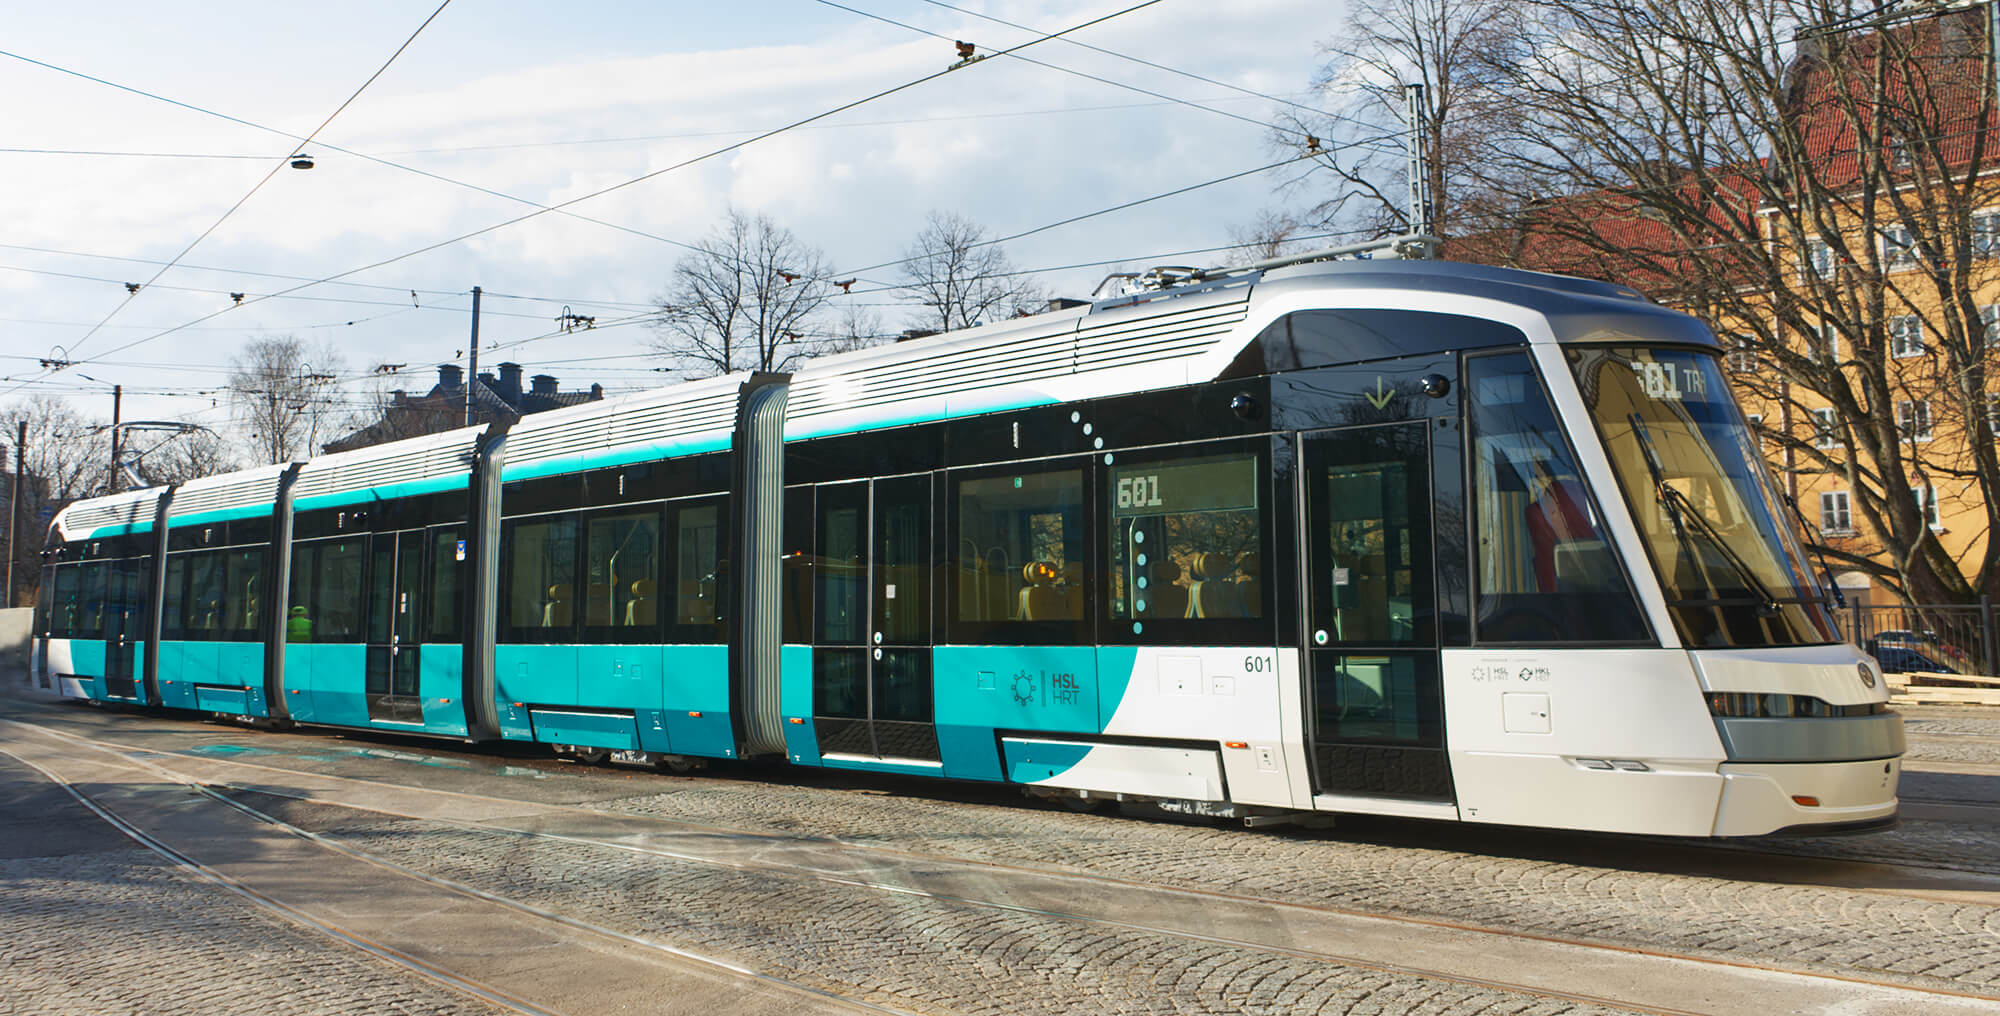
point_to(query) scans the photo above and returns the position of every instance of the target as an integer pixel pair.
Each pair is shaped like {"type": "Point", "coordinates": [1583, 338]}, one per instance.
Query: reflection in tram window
{"type": "Point", "coordinates": [1546, 572]}
{"type": "Point", "coordinates": [621, 575]}
{"type": "Point", "coordinates": [1185, 539]}
{"type": "Point", "coordinates": [1020, 547]}
{"type": "Point", "coordinates": [1720, 539]}
{"type": "Point", "coordinates": [701, 577]}
{"type": "Point", "coordinates": [326, 592]}
{"type": "Point", "coordinates": [541, 587]}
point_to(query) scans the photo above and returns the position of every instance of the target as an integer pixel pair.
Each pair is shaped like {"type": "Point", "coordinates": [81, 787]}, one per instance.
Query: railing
{"type": "Point", "coordinates": [1946, 638]}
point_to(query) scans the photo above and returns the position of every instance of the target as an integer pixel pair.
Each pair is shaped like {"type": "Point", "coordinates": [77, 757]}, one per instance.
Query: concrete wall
{"type": "Point", "coordinates": [15, 624]}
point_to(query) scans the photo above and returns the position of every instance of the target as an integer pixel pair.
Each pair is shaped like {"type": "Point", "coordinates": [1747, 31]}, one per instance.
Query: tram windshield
{"type": "Point", "coordinates": [1718, 535]}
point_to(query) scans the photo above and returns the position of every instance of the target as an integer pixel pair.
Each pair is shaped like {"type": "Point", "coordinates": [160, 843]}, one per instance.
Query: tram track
{"type": "Point", "coordinates": [221, 791]}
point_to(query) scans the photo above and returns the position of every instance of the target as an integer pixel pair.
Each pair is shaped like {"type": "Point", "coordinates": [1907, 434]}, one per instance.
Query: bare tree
{"type": "Point", "coordinates": [282, 391]}
{"type": "Point", "coordinates": [960, 278]}
{"type": "Point", "coordinates": [746, 300]}
{"type": "Point", "coordinates": [1270, 235]}
{"type": "Point", "coordinates": [68, 458]}
{"type": "Point", "coordinates": [1458, 50]}
{"type": "Point", "coordinates": [1814, 180]}
{"type": "Point", "coordinates": [186, 456]}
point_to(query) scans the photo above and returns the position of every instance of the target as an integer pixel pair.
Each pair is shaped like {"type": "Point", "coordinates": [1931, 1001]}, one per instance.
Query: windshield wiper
{"type": "Point", "coordinates": [1677, 505]}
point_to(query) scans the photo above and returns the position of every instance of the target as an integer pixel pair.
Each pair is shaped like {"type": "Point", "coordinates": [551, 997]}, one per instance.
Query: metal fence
{"type": "Point", "coordinates": [1951, 638]}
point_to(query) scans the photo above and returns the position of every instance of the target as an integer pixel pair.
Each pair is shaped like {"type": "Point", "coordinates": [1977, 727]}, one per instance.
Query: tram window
{"type": "Point", "coordinates": [1019, 548]}
{"type": "Point", "coordinates": [1546, 570]}
{"type": "Point", "coordinates": [621, 577]}
{"type": "Point", "coordinates": [202, 610]}
{"type": "Point", "coordinates": [1186, 540]}
{"type": "Point", "coordinates": [72, 607]}
{"type": "Point", "coordinates": [700, 579]}
{"type": "Point", "coordinates": [173, 607]}
{"type": "Point", "coordinates": [448, 552]}
{"type": "Point", "coordinates": [541, 583]}
{"type": "Point", "coordinates": [325, 592]}
{"type": "Point", "coordinates": [243, 595]}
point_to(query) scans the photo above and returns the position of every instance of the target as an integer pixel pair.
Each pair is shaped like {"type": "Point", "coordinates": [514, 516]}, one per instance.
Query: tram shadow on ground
{"type": "Point", "coordinates": [779, 802]}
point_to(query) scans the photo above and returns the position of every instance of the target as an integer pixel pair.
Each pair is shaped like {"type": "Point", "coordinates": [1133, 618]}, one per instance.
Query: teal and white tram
{"type": "Point", "coordinates": [1396, 537]}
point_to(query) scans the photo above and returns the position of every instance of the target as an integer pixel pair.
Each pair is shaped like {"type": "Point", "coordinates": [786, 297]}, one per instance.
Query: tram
{"type": "Point", "coordinates": [1396, 537]}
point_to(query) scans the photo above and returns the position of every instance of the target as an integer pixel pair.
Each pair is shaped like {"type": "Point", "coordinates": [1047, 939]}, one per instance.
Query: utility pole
{"type": "Point", "coordinates": [14, 505]}
{"type": "Point", "coordinates": [117, 401]}
{"type": "Point", "coordinates": [1421, 208]}
{"type": "Point", "coordinates": [472, 376]}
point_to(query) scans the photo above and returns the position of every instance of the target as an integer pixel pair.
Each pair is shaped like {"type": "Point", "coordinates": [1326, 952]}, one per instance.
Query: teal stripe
{"type": "Point", "coordinates": [649, 452]}
{"type": "Point", "coordinates": [805, 430]}
{"type": "Point", "coordinates": [125, 530]}
{"type": "Point", "coordinates": [219, 515]}
{"type": "Point", "coordinates": [387, 492]}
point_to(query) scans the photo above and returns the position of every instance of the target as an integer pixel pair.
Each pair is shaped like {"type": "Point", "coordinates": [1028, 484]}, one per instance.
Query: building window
{"type": "Point", "coordinates": [1993, 412]}
{"type": "Point", "coordinates": [1824, 424]}
{"type": "Point", "coordinates": [1986, 234]}
{"type": "Point", "coordinates": [1835, 519]}
{"type": "Point", "coordinates": [1906, 335]}
{"type": "Point", "coordinates": [1899, 248]}
{"type": "Point", "coordinates": [1827, 350]}
{"type": "Point", "coordinates": [1742, 356]}
{"type": "Point", "coordinates": [1989, 324]}
{"type": "Point", "coordinates": [1926, 497]}
{"type": "Point", "coordinates": [1913, 419]}
{"type": "Point", "coordinates": [1818, 261]}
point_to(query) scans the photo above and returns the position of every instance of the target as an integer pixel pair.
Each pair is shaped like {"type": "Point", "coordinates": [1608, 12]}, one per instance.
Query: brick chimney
{"type": "Point", "coordinates": [451, 375]}
{"type": "Point", "coordinates": [545, 385]}
{"type": "Point", "coordinates": [510, 382]}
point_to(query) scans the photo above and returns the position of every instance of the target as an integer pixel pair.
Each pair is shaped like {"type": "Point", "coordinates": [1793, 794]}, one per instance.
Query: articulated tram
{"type": "Point", "coordinates": [1379, 536]}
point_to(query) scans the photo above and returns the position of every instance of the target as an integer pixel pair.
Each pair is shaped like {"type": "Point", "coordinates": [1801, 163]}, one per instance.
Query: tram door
{"type": "Point", "coordinates": [395, 563]}
{"type": "Point", "coordinates": [1376, 697]}
{"type": "Point", "coordinates": [872, 620]}
{"type": "Point", "coordinates": [125, 616]}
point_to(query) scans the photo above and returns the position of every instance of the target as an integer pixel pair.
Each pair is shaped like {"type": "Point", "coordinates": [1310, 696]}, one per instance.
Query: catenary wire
{"type": "Point", "coordinates": [656, 173]}
{"type": "Point", "coordinates": [275, 167]}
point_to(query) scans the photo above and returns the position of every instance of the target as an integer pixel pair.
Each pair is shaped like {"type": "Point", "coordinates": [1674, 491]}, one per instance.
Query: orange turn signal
{"type": "Point", "coordinates": [694, 713]}
{"type": "Point", "coordinates": [797, 720]}
{"type": "Point", "coordinates": [1805, 800]}
{"type": "Point", "coordinates": [1236, 744]}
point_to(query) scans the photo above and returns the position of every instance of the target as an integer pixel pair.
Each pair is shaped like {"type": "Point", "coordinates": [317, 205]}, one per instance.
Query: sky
{"type": "Point", "coordinates": [513, 105]}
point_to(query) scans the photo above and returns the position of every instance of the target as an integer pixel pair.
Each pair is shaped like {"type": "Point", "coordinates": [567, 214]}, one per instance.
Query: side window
{"type": "Point", "coordinates": [699, 592]}
{"type": "Point", "coordinates": [173, 608]}
{"type": "Point", "coordinates": [325, 597]}
{"type": "Point", "coordinates": [243, 599]}
{"type": "Point", "coordinates": [1545, 569]}
{"type": "Point", "coordinates": [540, 601]}
{"type": "Point", "coordinates": [620, 598]}
{"type": "Point", "coordinates": [448, 551]}
{"type": "Point", "coordinates": [1019, 555]}
{"type": "Point", "coordinates": [1186, 540]}
{"type": "Point", "coordinates": [204, 610]}
{"type": "Point", "coordinates": [66, 610]}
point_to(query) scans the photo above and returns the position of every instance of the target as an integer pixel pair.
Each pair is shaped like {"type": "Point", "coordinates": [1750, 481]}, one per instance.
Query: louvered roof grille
{"type": "Point", "coordinates": [1145, 330]}
{"type": "Point", "coordinates": [1180, 331]}
{"type": "Point", "coordinates": [126, 509]}
{"type": "Point", "coordinates": [958, 370]}
{"type": "Point", "coordinates": [638, 420]}
{"type": "Point", "coordinates": [230, 490]}
{"type": "Point", "coordinates": [383, 465]}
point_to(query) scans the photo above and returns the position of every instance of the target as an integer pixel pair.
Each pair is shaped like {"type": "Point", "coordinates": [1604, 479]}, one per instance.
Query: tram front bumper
{"type": "Point", "coordinates": [1764, 797]}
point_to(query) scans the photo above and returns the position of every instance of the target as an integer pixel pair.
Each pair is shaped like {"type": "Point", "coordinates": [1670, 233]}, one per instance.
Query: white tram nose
{"type": "Point", "coordinates": [1808, 736]}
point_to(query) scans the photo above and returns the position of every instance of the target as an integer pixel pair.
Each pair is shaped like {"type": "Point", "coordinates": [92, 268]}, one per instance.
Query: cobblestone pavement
{"type": "Point", "coordinates": [926, 956]}
{"type": "Point", "coordinates": [106, 929]}
{"type": "Point", "coordinates": [1502, 878]}
{"type": "Point", "coordinates": [912, 953]}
